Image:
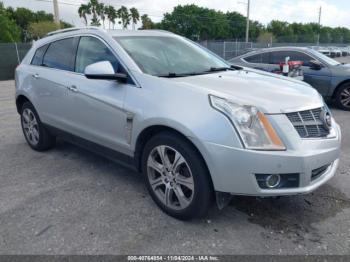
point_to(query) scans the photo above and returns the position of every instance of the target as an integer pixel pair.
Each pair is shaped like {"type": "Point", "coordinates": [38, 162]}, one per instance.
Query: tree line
{"type": "Point", "coordinates": [24, 25]}
{"type": "Point", "coordinates": [199, 23]}
{"type": "Point", "coordinates": [192, 21]}
{"type": "Point", "coordinates": [99, 12]}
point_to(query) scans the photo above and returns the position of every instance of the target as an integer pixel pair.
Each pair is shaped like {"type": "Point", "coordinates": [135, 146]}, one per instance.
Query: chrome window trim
{"type": "Point", "coordinates": [136, 83]}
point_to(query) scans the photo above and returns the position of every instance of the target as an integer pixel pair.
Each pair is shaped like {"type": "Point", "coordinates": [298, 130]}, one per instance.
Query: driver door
{"type": "Point", "coordinates": [98, 105]}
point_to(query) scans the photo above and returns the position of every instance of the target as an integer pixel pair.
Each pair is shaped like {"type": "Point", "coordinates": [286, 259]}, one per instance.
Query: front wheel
{"type": "Point", "coordinates": [176, 176]}
{"type": "Point", "coordinates": [342, 98]}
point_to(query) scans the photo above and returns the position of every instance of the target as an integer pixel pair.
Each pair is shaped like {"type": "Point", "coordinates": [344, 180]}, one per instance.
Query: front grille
{"type": "Point", "coordinates": [308, 123]}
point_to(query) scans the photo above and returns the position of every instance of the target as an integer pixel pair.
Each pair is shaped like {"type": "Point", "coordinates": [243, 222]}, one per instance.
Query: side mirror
{"type": "Point", "coordinates": [315, 65]}
{"type": "Point", "coordinates": [104, 71]}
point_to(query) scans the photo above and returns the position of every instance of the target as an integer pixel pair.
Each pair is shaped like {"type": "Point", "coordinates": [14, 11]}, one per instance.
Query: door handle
{"type": "Point", "coordinates": [36, 76]}
{"type": "Point", "coordinates": [72, 88]}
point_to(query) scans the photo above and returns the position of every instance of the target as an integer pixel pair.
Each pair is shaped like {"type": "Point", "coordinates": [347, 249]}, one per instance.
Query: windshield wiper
{"type": "Point", "coordinates": [211, 70]}
{"type": "Point", "coordinates": [218, 69]}
{"type": "Point", "coordinates": [174, 75]}
{"type": "Point", "coordinates": [225, 68]}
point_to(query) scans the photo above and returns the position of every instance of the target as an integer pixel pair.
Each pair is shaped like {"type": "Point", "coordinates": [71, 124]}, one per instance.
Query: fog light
{"type": "Point", "coordinates": [267, 181]}
{"type": "Point", "coordinates": [273, 181]}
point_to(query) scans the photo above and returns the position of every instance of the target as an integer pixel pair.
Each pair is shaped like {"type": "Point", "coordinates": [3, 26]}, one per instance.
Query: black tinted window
{"type": "Point", "coordinates": [61, 54]}
{"type": "Point", "coordinates": [258, 59]}
{"type": "Point", "coordinates": [298, 56]}
{"type": "Point", "coordinates": [38, 56]}
{"type": "Point", "coordinates": [280, 56]}
{"type": "Point", "coordinates": [90, 51]}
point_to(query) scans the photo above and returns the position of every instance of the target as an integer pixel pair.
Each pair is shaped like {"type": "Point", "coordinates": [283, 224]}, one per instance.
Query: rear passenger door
{"type": "Point", "coordinates": [51, 78]}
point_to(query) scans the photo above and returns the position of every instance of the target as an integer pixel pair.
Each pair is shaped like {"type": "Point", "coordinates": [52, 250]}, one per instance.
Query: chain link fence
{"type": "Point", "coordinates": [231, 49]}
{"type": "Point", "coordinates": [11, 54]}
{"type": "Point", "coordinates": [227, 49]}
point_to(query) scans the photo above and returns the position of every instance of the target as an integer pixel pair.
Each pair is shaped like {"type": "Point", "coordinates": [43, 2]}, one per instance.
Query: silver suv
{"type": "Point", "coordinates": [197, 128]}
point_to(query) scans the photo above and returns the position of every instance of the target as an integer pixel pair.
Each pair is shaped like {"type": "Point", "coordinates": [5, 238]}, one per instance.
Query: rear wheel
{"type": "Point", "coordinates": [176, 176]}
{"type": "Point", "coordinates": [342, 97]}
{"type": "Point", "coordinates": [37, 136]}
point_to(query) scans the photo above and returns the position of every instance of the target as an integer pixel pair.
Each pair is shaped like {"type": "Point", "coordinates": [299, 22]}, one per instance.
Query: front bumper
{"type": "Point", "coordinates": [233, 169]}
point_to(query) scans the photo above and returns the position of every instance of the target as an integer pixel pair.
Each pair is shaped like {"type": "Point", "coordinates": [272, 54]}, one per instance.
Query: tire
{"type": "Point", "coordinates": [188, 178]}
{"type": "Point", "coordinates": [35, 133]}
{"type": "Point", "coordinates": [342, 97]}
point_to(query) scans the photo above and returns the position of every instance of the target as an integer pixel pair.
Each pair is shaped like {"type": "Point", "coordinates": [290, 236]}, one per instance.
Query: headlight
{"type": "Point", "coordinates": [253, 126]}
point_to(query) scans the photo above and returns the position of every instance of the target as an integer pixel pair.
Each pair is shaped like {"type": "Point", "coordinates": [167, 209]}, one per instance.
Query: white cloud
{"type": "Point", "coordinates": [301, 11]}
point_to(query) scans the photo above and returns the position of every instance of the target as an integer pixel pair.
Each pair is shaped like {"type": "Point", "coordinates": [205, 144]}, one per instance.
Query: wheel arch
{"type": "Point", "coordinates": [347, 81]}
{"type": "Point", "coordinates": [153, 130]}
{"type": "Point", "coordinates": [20, 100]}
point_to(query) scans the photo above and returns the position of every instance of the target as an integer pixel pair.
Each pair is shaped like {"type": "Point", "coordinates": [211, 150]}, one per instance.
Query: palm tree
{"type": "Point", "coordinates": [123, 14]}
{"type": "Point", "coordinates": [93, 7]}
{"type": "Point", "coordinates": [146, 22]}
{"type": "Point", "coordinates": [111, 15]}
{"type": "Point", "coordinates": [100, 10]}
{"type": "Point", "coordinates": [115, 16]}
{"type": "Point", "coordinates": [83, 11]}
{"type": "Point", "coordinates": [135, 16]}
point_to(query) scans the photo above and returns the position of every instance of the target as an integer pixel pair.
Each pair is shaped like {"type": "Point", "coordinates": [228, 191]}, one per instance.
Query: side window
{"type": "Point", "coordinates": [61, 54]}
{"type": "Point", "coordinates": [253, 58]}
{"type": "Point", "coordinates": [92, 50]}
{"type": "Point", "coordinates": [262, 58]}
{"type": "Point", "coordinates": [278, 57]}
{"type": "Point", "coordinates": [298, 56]}
{"type": "Point", "coordinates": [38, 56]}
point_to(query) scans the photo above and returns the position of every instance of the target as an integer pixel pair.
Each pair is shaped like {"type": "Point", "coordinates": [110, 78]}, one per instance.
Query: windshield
{"type": "Point", "coordinates": [325, 58]}
{"type": "Point", "coordinates": [166, 56]}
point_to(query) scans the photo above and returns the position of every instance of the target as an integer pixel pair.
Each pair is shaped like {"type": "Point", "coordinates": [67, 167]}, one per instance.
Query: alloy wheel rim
{"type": "Point", "coordinates": [345, 97]}
{"type": "Point", "coordinates": [30, 126]}
{"type": "Point", "coordinates": [170, 177]}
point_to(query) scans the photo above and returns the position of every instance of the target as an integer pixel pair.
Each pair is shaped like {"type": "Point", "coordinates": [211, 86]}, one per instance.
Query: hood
{"type": "Point", "coordinates": [342, 70]}
{"type": "Point", "coordinates": [269, 92]}
{"type": "Point", "coordinates": [345, 66]}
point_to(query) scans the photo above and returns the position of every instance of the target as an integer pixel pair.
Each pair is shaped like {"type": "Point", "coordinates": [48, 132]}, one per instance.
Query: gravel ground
{"type": "Point", "coordinates": [70, 201]}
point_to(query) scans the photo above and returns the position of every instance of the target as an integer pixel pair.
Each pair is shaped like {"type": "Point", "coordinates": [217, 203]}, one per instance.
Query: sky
{"type": "Point", "coordinates": [334, 12]}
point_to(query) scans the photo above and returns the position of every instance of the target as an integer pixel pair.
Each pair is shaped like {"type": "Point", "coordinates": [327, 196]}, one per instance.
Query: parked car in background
{"type": "Point", "coordinates": [335, 51]}
{"type": "Point", "coordinates": [344, 51]}
{"type": "Point", "coordinates": [195, 126]}
{"type": "Point", "coordinates": [323, 50]}
{"type": "Point", "coordinates": [329, 77]}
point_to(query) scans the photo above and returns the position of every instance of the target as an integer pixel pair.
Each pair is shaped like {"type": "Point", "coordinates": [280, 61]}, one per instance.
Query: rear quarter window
{"type": "Point", "coordinates": [38, 56]}
{"type": "Point", "coordinates": [262, 58]}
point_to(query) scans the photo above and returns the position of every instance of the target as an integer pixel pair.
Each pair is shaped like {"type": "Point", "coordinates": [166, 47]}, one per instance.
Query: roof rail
{"type": "Point", "coordinates": [160, 30]}
{"type": "Point", "coordinates": [72, 29]}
